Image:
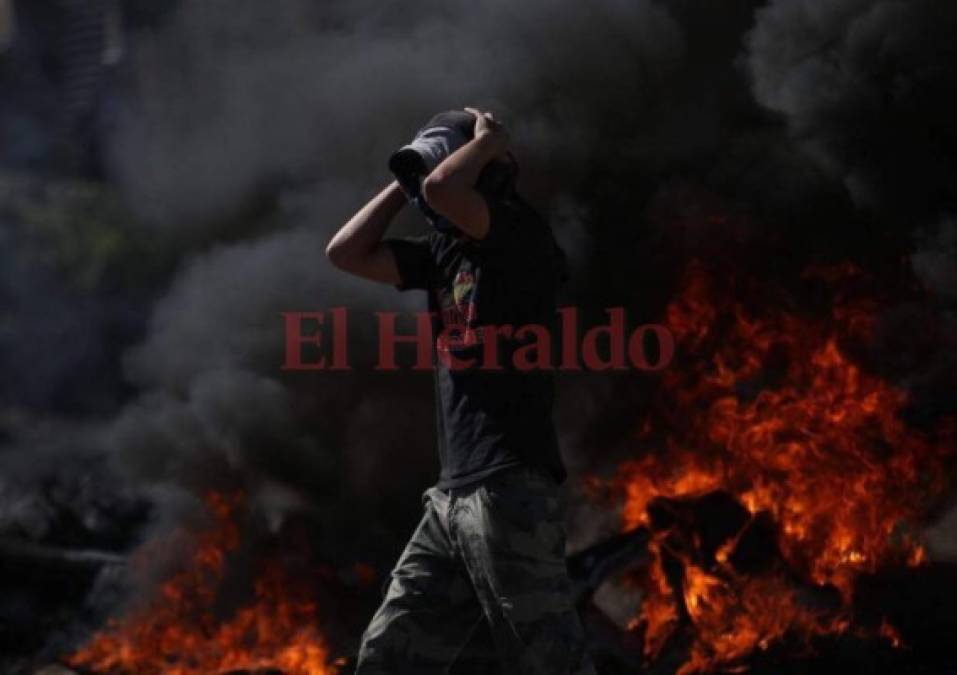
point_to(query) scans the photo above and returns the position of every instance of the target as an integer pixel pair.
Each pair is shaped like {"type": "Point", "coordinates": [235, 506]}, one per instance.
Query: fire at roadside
{"type": "Point", "coordinates": [179, 633]}
{"type": "Point", "coordinates": [773, 472]}
{"type": "Point", "coordinates": [773, 478]}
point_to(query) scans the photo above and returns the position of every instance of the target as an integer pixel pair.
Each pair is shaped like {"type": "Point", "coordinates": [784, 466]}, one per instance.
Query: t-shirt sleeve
{"type": "Point", "coordinates": [413, 257]}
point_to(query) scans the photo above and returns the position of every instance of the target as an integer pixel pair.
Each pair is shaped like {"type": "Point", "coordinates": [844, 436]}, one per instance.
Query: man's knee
{"type": "Point", "coordinates": [401, 646]}
{"type": "Point", "coordinates": [557, 645]}
{"type": "Point", "coordinates": [385, 643]}
{"type": "Point", "coordinates": [417, 628]}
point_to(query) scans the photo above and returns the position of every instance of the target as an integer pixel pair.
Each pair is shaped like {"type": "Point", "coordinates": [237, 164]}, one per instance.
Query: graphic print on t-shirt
{"type": "Point", "coordinates": [462, 288]}
{"type": "Point", "coordinates": [459, 313]}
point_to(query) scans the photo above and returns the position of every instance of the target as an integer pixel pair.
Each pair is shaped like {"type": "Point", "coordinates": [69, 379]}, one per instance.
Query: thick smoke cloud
{"type": "Point", "coordinates": [217, 412]}
{"type": "Point", "coordinates": [231, 97]}
{"type": "Point", "coordinates": [865, 86]}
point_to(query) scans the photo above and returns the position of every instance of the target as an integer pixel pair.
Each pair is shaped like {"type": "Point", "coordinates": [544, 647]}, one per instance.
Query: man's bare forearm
{"type": "Point", "coordinates": [357, 246]}
{"type": "Point", "coordinates": [462, 167]}
{"type": "Point", "coordinates": [450, 188]}
{"type": "Point", "coordinates": [366, 228]}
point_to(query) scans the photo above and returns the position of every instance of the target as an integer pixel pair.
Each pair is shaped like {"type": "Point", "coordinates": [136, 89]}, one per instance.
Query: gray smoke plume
{"type": "Point", "coordinates": [864, 86]}
{"type": "Point", "coordinates": [216, 410]}
{"type": "Point", "coordinates": [230, 98]}
{"type": "Point", "coordinates": [233, 99]}
{"type": "Point", "coordinates": [245, 134]}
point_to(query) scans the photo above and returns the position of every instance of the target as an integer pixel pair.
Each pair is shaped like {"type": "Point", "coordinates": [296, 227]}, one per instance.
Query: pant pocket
{"type": "Point", "coordinates": [521, 502]}
{"type": "Point", "coordinates": [431, 494]}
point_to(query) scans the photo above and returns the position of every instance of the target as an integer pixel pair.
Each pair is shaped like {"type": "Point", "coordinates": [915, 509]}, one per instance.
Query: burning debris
{"type": "Point", "coordinates": [773, 472]}
{"type": "Point", "coordinates": [185, 630]}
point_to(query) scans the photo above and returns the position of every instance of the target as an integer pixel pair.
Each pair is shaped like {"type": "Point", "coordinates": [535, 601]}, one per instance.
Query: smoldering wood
{"type": "Point", "coordinates": [590, 567]}
{"type": "Point", "coordinates": [54, 669]}
{"type": "Point", "coordinates": [712, 521]}
{"type": "Point", "coordinates": [698, 526]}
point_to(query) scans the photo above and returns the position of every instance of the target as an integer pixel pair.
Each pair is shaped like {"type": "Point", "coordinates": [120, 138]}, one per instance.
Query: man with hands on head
{"type": "Point", "coordinates": [491, 543]}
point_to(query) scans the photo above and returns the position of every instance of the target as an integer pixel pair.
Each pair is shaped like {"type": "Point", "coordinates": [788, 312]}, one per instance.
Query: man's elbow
{"type": "Point", "coordinates": [338, 255]}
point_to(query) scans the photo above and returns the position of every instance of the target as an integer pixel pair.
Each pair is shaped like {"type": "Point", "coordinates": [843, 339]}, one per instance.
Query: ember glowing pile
{"type": "Point", "coordinates": [180, 634]}
{"type": "Point", "coordinates": [765, 431]}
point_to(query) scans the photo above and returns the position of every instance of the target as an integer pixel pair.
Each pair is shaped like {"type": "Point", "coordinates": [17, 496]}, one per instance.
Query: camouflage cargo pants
{"type": "Point", "coordinates": [494, 551]}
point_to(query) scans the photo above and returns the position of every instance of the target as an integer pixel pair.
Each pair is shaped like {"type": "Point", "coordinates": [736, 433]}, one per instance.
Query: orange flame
{"type": "Point", "coordinates": [768, 408]}
{"type": "Point", "coordinates": [179, 634]}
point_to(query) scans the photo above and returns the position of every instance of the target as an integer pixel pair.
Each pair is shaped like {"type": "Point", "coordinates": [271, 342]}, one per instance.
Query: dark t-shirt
{"type": "Point", "coordinates": [489, 420]}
